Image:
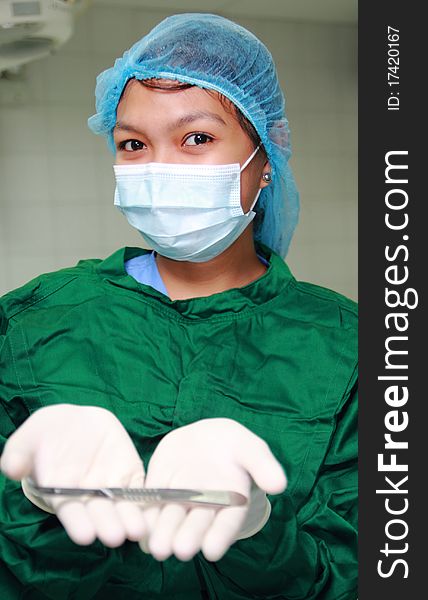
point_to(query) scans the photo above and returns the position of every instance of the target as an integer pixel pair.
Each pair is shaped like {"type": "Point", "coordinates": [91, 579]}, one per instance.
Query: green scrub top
{"type": "Point", "coordinates": [277, 355]}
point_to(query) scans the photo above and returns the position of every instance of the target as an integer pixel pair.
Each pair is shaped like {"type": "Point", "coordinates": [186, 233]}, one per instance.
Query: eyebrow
{"type": "Point", "coordinates": [184, 120]}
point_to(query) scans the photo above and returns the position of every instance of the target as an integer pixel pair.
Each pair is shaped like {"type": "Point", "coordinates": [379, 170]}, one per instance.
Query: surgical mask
{"type": "Point", "coordinates": [184, 211]}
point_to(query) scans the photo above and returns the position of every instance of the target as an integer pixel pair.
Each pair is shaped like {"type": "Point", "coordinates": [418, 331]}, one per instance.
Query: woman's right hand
{"type": "Point", "coordinates": [65, 445]}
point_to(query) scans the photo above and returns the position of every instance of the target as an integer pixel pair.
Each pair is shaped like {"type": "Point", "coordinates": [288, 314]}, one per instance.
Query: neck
{"type": "Point", "coordinates": [236, 267]}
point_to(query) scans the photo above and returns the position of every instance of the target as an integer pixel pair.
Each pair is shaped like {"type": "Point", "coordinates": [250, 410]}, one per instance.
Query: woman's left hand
{"type": "Point", "coordinates": [212, 454]}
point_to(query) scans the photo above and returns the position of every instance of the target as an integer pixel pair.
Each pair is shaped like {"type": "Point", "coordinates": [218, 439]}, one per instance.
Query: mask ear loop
{"type": "Point", "coordinates": [247, 162]}
{"type": "Point", "coordinates": [255, 200]}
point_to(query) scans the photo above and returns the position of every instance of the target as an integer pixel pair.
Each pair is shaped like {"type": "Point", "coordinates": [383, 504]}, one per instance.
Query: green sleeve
{"type": "Point", "coordinates": [36, 554]}
{"type": "Point", "coordinates": [307, 552]}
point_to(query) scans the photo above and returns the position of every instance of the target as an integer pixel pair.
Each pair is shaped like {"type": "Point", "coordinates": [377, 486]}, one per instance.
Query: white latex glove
{"type": "Point", "coordinates": [80, 446]}
{"type": "Point", "coordinates": [216, 454]}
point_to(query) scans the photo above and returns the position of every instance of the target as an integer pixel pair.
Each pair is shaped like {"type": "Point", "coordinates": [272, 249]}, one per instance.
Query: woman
{"type": "Point", "coordinates": [201, 364]}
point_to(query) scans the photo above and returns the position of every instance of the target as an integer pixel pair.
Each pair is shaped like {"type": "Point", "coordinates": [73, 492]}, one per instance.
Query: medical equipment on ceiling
{"type": "Point", "coordinates": [32, 29]}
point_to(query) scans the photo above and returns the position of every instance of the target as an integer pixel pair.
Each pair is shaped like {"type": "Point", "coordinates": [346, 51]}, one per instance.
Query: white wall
{"type": "Point", "coordinates": [56, 179]}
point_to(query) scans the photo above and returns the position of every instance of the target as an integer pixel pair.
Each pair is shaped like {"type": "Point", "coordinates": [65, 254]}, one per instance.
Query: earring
{"type": "Point", "coordinates": [267, 177]}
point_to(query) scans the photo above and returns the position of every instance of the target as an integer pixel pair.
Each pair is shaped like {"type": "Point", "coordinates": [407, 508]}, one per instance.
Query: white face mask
{"type": "Point", "coordinates": [185, 212]}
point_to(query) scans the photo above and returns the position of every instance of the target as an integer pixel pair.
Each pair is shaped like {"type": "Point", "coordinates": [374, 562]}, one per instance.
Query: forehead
{"type": "Point", "coordinates": [139, 101]}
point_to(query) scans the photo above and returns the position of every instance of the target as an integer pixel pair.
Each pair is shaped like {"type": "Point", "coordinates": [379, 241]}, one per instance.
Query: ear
{"type": "Point", "coordinates": [266, 169]}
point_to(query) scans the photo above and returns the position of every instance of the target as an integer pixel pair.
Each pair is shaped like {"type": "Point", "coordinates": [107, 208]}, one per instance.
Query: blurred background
{"type": "Point", "coordinates": [56, 177]}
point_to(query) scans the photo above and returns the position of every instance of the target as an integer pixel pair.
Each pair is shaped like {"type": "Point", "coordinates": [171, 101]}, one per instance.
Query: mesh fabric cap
{"type": "Point", "coordinates": [214, 53]}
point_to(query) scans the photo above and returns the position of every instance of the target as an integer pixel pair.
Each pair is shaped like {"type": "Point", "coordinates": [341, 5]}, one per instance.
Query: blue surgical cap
{"type": "Point", "coordinates": [214, 53]}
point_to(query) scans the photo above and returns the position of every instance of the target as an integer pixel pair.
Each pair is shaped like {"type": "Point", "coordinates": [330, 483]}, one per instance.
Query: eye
{"type": "Point", "coordinates": [196, 139]}
{"type": "Point", "coordinates": [130, 145]}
